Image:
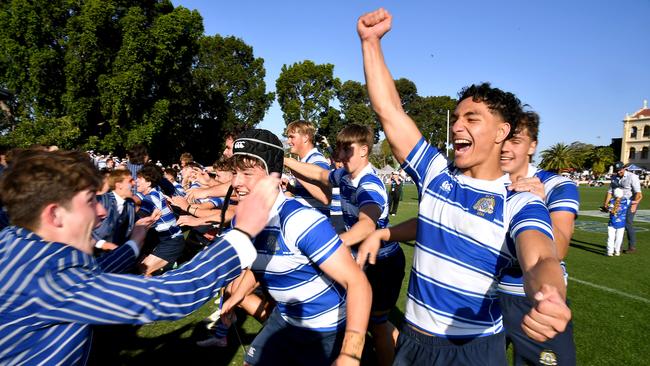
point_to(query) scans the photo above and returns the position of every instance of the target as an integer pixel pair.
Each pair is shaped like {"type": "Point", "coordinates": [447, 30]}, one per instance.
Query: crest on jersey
{"type": "Point", "coordinates": [485, 205]}
{"type": "Point", "coordinates": [548, 357]}
{"type": "Point", "coordinates": [239, 144]}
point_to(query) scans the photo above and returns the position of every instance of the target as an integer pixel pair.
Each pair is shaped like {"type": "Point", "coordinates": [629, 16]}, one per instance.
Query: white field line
{"type": "Point", "coordinates": [614, 291]}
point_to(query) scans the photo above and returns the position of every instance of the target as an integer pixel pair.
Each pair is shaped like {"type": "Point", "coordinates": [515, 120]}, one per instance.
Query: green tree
{"type": "Point", "coordinates": [355, 106]}
{"type": "Point", "coordinates": [305, 91]}
{"type": "Point", "coordinates": [230, 93]}
{"type": "Point", "coordinates": [408, 92]}
{"type": "Point", "coordinates": [330, 124]}
{"type": "Point", "coordinates": [600, 158]}
{"type": "Point", "coordinates": [114, 73]}
{"type": "Point", "coordinates": [430, 115]}
{"type": "Point", "coordinates": [558, 157]}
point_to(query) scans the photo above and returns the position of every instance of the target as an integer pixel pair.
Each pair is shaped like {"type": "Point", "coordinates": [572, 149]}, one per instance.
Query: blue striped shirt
{"type": "Point", "coordinates": [365, 189]}
{"type": "Point", "coordinates": [290, 249]}
{"type": "Point", "coordinates": [51, 294]}
{"type": "Point", "coordinates": [166, 225]}
{"type": "Point", "coordinates": [335, 203]}
{"type": "Point", "coordinates": [561, 195]}
{"type": "Point", "coordinates": [300, 192]}
{"type": "Point", "coordinates": [466, 230]}
{"type": "Point", "coordinates": [178, 189]}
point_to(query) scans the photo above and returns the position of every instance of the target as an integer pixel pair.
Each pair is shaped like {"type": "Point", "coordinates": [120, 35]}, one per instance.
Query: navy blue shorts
{"type": "Point", "coordinates": [386, 278]}
{"type": "Point", "coordinates": [170, 249]}
{"type": "Point", "coordinates": [280, 343]}
{"type": "Point", "coordinates": [415, 348]}
{"type": "Point", "coordinates": [561, 350]}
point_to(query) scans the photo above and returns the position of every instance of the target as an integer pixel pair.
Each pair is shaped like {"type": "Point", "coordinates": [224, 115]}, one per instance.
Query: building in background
{"type": "Point", "coordinates": [636, 138]}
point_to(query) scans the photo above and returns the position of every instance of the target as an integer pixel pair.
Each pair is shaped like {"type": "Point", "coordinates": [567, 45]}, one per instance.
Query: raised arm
{"type": "Point", "coordinates": [401, 132]}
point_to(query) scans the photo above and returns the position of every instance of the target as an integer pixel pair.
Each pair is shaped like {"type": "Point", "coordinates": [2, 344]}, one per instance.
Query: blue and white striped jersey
{"type": "Point", "coordinates": [166, 225]}
{"type": "Point", "coordinates": [561, 195]}
{"type": "Point", "coordinates": [465, 239]}
{"type": "Point", "coordinates": [51, 294]}
{"type": "Point", "coordinates": [335, 203]}
{"type": "Point", "coordinates": [178, 189]}
{"type": "Point", "coordinates": [296, 240]}
{"type": "Point", "coordinates": [301, 194]}
{"type": "Point", "coordinates": [365, 189]}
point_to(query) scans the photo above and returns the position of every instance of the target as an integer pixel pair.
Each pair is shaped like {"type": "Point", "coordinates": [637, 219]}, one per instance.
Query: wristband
{"type": "Point", "coordinates": [243, 232]}
{"type": "Point", "coordinates": [351, 356]}
{"type": "Point", "coordinates": [353, 344]}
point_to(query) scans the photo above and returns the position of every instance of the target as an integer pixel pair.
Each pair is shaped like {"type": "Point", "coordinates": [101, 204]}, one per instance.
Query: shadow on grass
{"type": "Point", "coordinates": [588, 247]}
{"type": "Point", "coordinates": [121, 345]}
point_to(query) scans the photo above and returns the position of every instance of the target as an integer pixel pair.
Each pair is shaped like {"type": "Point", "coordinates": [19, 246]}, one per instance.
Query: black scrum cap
{"type": "Point", "coordinates": [261, 144]}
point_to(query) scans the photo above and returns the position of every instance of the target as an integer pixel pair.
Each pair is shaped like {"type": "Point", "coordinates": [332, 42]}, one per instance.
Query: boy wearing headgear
{"type": "Point", "coordinates": [322, 297]}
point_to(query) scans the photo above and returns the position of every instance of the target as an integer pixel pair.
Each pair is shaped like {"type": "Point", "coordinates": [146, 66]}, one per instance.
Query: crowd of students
{"type": "Point", "coordinates": [314, 258]}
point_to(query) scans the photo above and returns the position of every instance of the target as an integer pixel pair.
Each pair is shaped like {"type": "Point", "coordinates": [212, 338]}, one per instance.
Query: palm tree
{"type": "Point", "coordinates": [558, 157]}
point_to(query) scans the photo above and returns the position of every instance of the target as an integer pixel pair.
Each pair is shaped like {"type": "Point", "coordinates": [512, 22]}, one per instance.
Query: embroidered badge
{"type": "Point", "coordinates": [485, 205]}
{"type": "Point", "coordinates": [548, 357]}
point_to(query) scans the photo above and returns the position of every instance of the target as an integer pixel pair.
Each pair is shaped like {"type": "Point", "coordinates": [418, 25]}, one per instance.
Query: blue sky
{"type": "Point", "coordinates": [582, 65]}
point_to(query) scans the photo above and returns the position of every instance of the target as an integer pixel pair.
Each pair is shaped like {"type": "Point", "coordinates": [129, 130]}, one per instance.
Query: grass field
{"type": "Point", "coordinates": [610, 299]}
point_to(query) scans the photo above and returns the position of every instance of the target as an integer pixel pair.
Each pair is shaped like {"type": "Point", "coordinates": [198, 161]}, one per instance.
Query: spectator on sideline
{"type": "Point", "coordinates": [396, 185]}
{"type": "Point", "coordinates": [54, 291]}
{"type": "Point", "coordinates": [617, 207]}
{"type": "Point", "coordinates": [631, 186]}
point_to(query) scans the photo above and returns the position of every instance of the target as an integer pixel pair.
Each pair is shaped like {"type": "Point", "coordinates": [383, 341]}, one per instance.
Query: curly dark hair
{"type": "Point", "coordinates": [505, 104]}
{"type": "Point", "coordinates": [151, 174]}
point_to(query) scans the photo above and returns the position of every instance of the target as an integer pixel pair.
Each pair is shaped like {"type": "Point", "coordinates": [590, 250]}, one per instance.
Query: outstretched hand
{"type": "Point", "coordinates": [374, 25]}
{"type": "Point", "coordinates": [548, 317]}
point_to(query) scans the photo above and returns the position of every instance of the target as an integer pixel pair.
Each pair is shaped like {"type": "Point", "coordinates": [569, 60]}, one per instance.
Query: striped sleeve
{"type": "Point", "coordinates": [529, 213]}
{"type": "Point", "coordinates": [119, 260]}
{"type": "Point", "coordinates": [147, 206]}
{"type": "Point", "coordinates": [313, 234]}
{"type": "Point", "coordinates": [322, 164]}
{"type": "Point", "coordinates": [422, 162]}
{"type": "Point", "coordinates": [83, 296]}
{"type": "Point", "coordinates": [563, 196]}
{"type": "Point", "coordinates": [371, 191]}
{"type": "Point", "coordinates": [336, 176]}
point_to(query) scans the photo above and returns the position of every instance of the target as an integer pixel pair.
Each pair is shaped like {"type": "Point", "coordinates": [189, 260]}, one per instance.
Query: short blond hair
{"type": "Point", "coordinates": [303, 128]}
